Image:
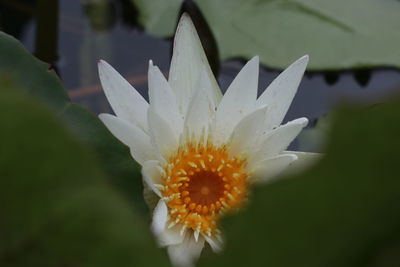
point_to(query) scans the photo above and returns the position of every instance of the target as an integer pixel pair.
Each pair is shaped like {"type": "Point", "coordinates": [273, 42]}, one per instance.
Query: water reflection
{"type": "Point", "coordinates": [82, 32]}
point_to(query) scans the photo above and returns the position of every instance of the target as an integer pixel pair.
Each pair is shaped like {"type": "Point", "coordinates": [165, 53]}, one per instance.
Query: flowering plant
{"type": "Point", "coordinates": [200, 150]}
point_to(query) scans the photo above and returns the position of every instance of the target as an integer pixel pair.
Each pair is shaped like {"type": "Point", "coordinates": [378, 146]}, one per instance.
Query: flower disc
{"type": "Point", "coordinates": [200, 184]}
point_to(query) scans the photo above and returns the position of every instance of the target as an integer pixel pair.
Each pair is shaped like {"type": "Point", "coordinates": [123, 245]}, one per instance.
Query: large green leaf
{"type": "Point", "coordinates": [34, 78]}
{"type": "Point", "coordinates": [338, 34]}
{"type": "Point", "coordinates": [114, 157]}
{"type": "Point", "coordinates": [56, 207]}
{"type": "Point", "coordinates": [343, 212]}
{"type": "Point", "coordinates": [31, 75]}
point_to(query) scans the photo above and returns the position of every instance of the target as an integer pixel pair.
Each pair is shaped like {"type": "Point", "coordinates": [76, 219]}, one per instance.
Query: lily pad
{"type": "Point", "coordinates": [57, 208]}
{"type": "Point", "coordinates": [35, 79]}
{"type": "Point", "coordinates": [31, 75]}
{"type": "Point", "coordinates": [114, 157]}
{"type": "Point", "coordinates": [339, 34]}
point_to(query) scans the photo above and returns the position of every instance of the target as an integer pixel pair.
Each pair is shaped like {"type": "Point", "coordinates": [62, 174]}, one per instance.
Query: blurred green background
{"type": "Point", "coordinates": [70, 194]}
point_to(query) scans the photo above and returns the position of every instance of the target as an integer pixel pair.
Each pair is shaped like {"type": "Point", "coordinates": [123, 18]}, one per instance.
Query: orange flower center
{"type": "Point", "coordinates": [200, 184]}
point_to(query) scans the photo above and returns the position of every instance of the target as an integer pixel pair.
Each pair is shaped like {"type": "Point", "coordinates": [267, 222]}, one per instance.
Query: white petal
{"type": "Point", "coordinates": [160, 218]}
{"type": "Point", "coordinates": [163, 99]}
{"type": "Point", "coordinates": [305, 160]}
{"type": "Point", "coordinates": [188, 60]}
{"type": "Point", "coordinates": [200, 112]}
{"type": "Point", "coordinates": [126, 102]}
{"type": "Point", "coordinates": [238, 101]}
{"type": "Point", "coordinates": [165, 236]}
{"type": "Point", "coordinates": [186, 253]}
{"type": "Point", "coordinates": [279, 139]}
{"type": "Point", "coordinates": [245, 136]}
{"type": "Point", "coordinates": [149, 196]}
{"type": "Point", "coordinates": [215, 244]}
{"type": "Point", "coordinates": [196, 235]}
{"type": "Point", "coordinates": [152, 175]}
{"type": "Point", "coordinates": [206, 84]}
{"type": "Point", "coordinates": [162, 135]}
{"type": "Point", "coordinates": [132, 136]}
{"type": "Point", "coordinates": [280, 93]}
{"type": "Point", "coordinates": [270, 168]}
{"type": "Point", "coordinates": [172, 236]}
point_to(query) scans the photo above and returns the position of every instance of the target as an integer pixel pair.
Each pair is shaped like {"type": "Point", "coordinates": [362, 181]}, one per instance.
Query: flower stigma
{"type": "Point", "coordinates": [200, 184]}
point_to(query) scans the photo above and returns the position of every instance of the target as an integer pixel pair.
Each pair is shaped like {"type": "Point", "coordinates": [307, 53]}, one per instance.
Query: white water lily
{"type": "Point", "coordinates": [200, 150]}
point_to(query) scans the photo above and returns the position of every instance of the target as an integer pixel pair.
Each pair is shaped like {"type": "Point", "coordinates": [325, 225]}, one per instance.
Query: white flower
{"type": "Point", "coordinates": [200, 151]}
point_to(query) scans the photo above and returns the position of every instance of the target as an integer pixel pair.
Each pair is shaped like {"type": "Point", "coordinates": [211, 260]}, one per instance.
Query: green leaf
{"type": "Point", "coordinates": [31, 75]}
{"type": "Point", "coordinates": [35, 79]}
{"type": "Point", "coordinates": [337, 34]}
{"type": "Point", "coordinates": [345, 211]}
{"type": "Point", "coordinates": [56, 206]}
{"type": "Point", "coordinates": [113, 156]}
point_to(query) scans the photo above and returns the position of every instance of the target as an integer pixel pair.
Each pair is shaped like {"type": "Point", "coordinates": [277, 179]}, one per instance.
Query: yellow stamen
{"type": "Point", "coordinates": [200, 184]}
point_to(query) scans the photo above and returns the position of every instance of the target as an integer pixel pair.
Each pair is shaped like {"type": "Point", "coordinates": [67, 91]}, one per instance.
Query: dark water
{"type": "Point", "coordinates": [82, 32]}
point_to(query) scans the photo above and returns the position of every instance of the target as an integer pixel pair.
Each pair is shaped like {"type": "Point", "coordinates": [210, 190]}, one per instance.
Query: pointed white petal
{"type": "Point", "coordinates": [165, 236]}
{"type": "Point", "coordinates": [152, 175]}
{"type": "Point", "coordinates": [132, 136]}
{"type": "Point", "coordinates": [163, 100]}
{"type": "Point", "coordinates": [305, 160]}
{"type": "Point", "coordinates": [279, 139]}
{"type": "Point", "coordinates": [188, 60]}
{"type": "Point", "coordinates": [270, 168]}
{"type": "Point", "coordinates": [126, 102]}
{"type": "Point", "coordinates": [215, 244]}
{"type": "Point", "coordinates": [206, 84]}
{"type": "Point", "coordinates": [200, 112]}
{"type": "Point", "coordinates": [245, 136]}
{"type": "Point", "coordinates": [160, 218]}
{"type": "Point", "coordinates": [162, 135]}
{"type": "Point", "coordinates": [186, 253]}
{"type": "Point", "coordinates": [238, 101]}
{"type": "Point", "coordinates": [279, 94]}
